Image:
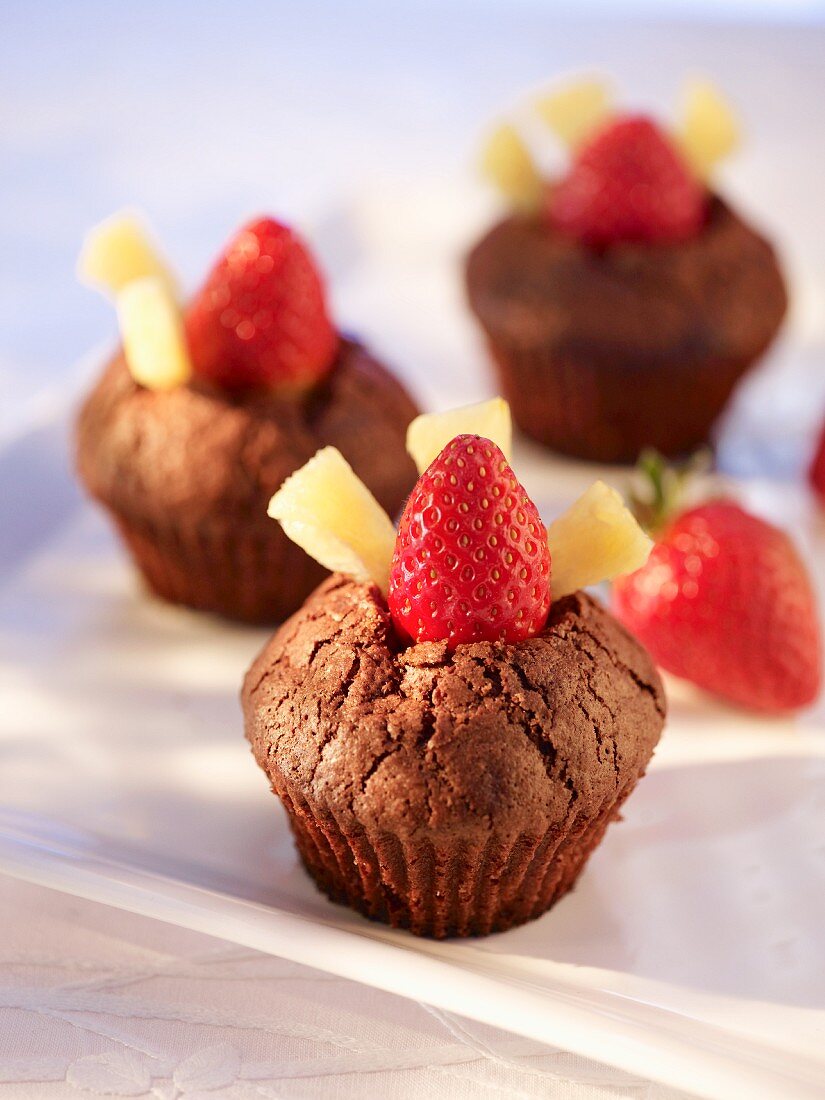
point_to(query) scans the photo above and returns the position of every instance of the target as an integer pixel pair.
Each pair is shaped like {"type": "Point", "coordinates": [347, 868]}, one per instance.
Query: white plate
{"type": "Point", "coordinates": [691, 952]}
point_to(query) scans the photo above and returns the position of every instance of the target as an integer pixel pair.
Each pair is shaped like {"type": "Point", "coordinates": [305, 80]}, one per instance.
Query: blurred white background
{"type": "Point", "coordinates": [202, 114]}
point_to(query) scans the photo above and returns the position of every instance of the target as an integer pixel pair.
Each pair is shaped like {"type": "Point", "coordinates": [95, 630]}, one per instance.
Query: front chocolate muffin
{"type": "Point", "coordinates": [449, 743]}
{"type": "Point", "coordinates": [451, 793]}
{"type": "Point", "coordinates": [187, 434]}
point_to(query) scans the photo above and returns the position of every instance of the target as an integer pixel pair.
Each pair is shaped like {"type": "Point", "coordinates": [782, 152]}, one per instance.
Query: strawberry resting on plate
{"type": "Point", "coordinates": [817, 471]}
{"type": "Point", "coordinates": [725, 601]}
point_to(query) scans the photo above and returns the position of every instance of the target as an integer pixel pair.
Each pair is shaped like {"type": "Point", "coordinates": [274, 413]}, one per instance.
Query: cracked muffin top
{"type": "Point", "coordinates": [215, 456]}
{"type": "Point", "coordinates": [487, 736]}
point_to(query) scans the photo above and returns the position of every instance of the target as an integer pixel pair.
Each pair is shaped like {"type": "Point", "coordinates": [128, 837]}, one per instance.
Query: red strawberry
{"type": "Point", "coordinates": [817, 473]}
{"type": "Point", "coordinates": [471, 561]}
{"type": "Point", "coordinates": [725, 601]}
{"type": "Point", "coordinates": [628, 183]}
{"type": "Point", "coordinates": [261, 319]}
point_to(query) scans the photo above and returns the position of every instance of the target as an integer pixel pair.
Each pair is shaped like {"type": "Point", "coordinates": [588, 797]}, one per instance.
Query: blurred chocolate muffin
{"type": "Point", "coordinates": [624, 299]}
{"type": "Point", "coordinates": [207, 410]}
{"type": "Point", "coordinates": [603, 352]}
{"type": "Point", "coordinates": [187, 474]}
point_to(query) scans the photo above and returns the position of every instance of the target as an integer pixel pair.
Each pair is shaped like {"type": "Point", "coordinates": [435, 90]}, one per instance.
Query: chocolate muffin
{"type": "Point", "coordinates": [603, 352]}
{"type": "Point", "coordinates": [453, 792]}
{"type": "Point", "coordinates": [623, 299]}
{"type": "Point", "coordinates": [207, 409]}
{"type": "Point", "coordinates": [186, 475]}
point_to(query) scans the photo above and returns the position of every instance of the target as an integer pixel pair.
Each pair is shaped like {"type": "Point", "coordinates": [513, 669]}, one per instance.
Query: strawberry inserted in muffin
{"type": "Point", "coordinates": [628, 183]}
{"type": "Point", "coordinates": [471, 560]}
{"type": "Point", "coordinates": [261, 317]}
{"type": "Point", "coordinates": [260, 321]}
{"type": "Point", "coordinates": [206, 409]}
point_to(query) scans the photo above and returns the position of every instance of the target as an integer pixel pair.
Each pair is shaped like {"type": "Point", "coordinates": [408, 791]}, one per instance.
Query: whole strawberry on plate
{"type": "Point", "coordinates": [817, 471]}
{"type": "Point", "coordinates": [450, 722]}
{"type": "Point", "coordinates": [206, 409]}
{"type": "Point", "coordinates": [726, 602]}
{"type": "Point", "coordinates": [621, 297]}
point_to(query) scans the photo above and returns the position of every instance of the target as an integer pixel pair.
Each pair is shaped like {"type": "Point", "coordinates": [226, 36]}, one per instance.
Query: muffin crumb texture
{"type": "Point", "coordinates": [187, 474]}
{"type": "Point", "coordinates": [451, 793]}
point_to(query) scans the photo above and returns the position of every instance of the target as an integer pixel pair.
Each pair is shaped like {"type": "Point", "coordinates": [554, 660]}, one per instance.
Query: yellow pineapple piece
{"type": "Point", "coordinates": [595, 540]}
{"type": "Point", "coordinates": [151, 327]}
{"type": "Point", "coordinates": [429, 434]}
{"type": "Point", "coordinates": [116, 252]}
{"type": "Point", "coordinates": [329, 512]}
{"type": "Point", "coordinates": [507, 163]}
{"type": "Point", "coordinates": [709, 130]}
{"type": "Point", "coordinates": [576, 110]}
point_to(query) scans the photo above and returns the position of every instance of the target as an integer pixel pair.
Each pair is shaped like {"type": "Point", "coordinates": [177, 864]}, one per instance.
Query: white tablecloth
{"type": "Point", "coordinates": [93, 1000]}
{"type": "Point", "coordinates": [201, 118]}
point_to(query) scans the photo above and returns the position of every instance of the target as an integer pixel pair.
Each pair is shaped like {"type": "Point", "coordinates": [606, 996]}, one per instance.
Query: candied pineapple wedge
{"type": "Point", "coordinates": [595, 540]}
{"type": "Point", "coordinates": [151, 328]}
{"type": "Point", "coordinates": [429, 434]}
{"type": "Point", "coordinates": [709, 130]}
{"type": "Point", "coordinates": [575, 111]}
{"type": "Point", "coordinates": [508, 165]}
{"type": "Point", "coordinates": [330, 513]}
{"type": "Point", "coordinates": [118, 251]}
